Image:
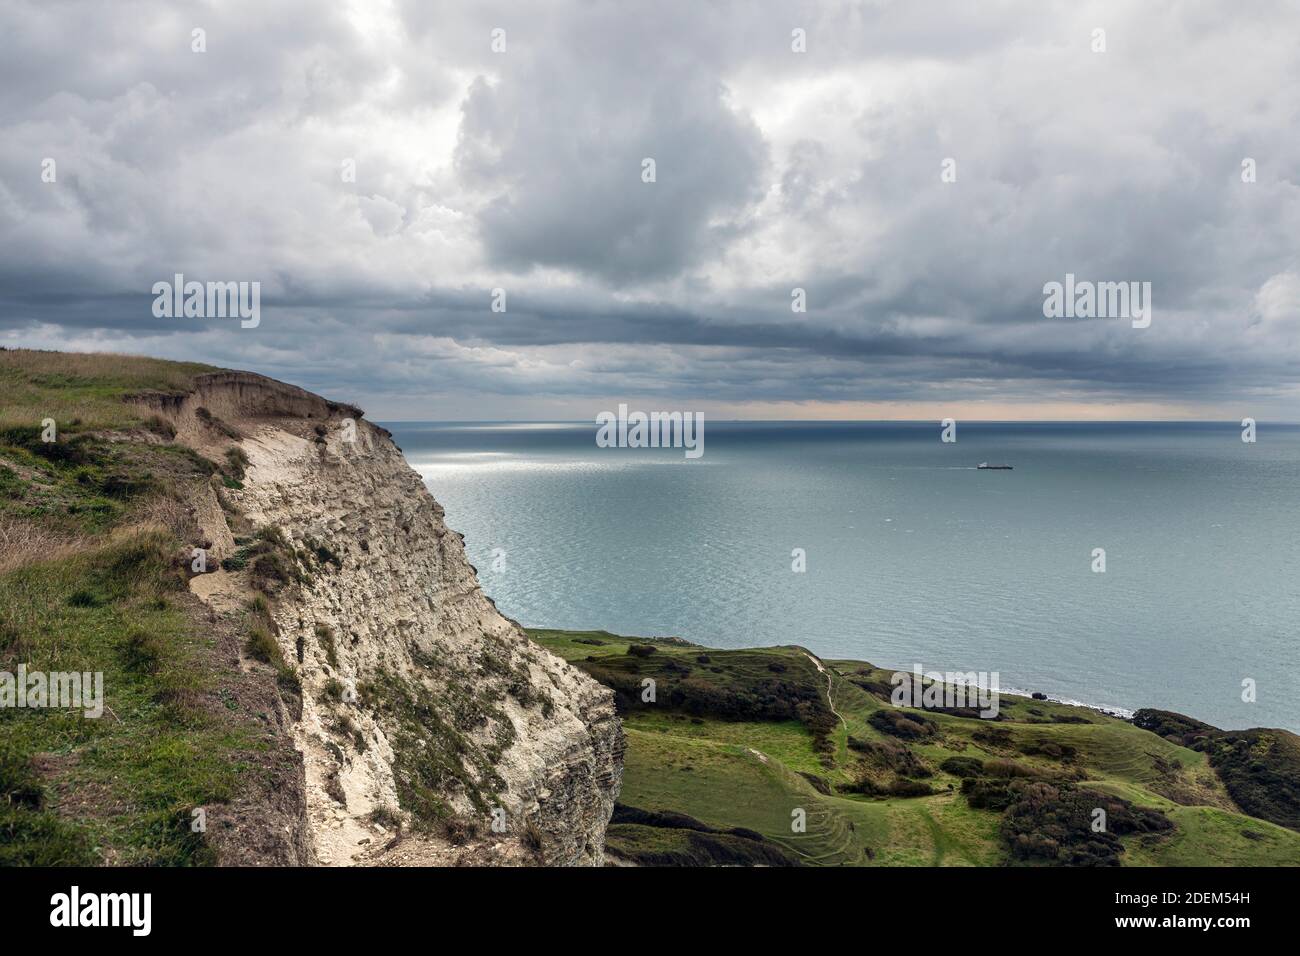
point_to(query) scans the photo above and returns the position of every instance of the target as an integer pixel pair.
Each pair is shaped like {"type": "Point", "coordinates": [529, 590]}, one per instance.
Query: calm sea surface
{"type": "Point", "coordinates": [913, 556]}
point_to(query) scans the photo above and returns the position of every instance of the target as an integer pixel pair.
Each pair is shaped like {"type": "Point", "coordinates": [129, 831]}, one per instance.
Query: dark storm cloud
{"type": "Point", "coordinates": [521, 170]}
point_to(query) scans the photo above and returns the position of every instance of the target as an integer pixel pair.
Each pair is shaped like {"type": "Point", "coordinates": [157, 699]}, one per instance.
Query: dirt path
{"type": "Point", "coordinates": [830, 698]}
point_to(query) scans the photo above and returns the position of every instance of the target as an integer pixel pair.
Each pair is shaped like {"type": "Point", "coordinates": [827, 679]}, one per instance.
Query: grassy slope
{"type": "Point", "coordinates": [749, 773]}
{"type": "Point", "coordinates": [119, 788]}
{"type": "Point", "coordinates": [91, 580]}
{"type": "Point", "coordinates": [82, 391]}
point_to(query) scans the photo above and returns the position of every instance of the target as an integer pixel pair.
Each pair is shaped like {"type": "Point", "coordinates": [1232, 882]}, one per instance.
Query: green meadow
{"type": "Point", "coordinates": [714, 754]}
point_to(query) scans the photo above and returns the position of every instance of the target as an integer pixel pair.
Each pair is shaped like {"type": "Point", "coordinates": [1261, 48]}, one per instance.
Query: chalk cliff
{"type": "Point", "coordinates": [432, 730]}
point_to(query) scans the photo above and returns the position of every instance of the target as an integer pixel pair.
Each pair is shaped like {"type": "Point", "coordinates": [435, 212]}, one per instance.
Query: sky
{"type": "Point", "coordinates": [920, 170]}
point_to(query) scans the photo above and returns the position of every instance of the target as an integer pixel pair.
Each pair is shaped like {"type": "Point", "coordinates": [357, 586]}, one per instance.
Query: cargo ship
{"type": "Point", "coordinates": [985, 466]}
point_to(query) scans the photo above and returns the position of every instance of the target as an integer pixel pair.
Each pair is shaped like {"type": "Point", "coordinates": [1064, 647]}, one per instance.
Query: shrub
{"type": "Point", "coordinates": [1261, 770]}
{"type": "Point", "coordinates": [896, 723]}
{"type": "Point", "coordinates": [994, 737]}
{"type": "Point", "coordinates": [987, 794]}
{"type": "Point", "coordinates": [268, 571]}
{"type": "Point", "coordinates": [891, 755]}
{"type": "Point", "coordinates": [460, 830]}
{"type": "Point", "coordinates": [262, 646]}
{"type": "Point", "coordinates": [903, 787]}
{"type": "Point", "coordinates": [386, 817]}
{"type": "Point", "coordinates": [1176, 727]}
{"type": "Point", "coordinates": [641, 650]}
{"type": "Point", "coordinates": [963, 766]}
{"type": "Point", "coordinates": [1053, 823]}
{"type": "Point", "coordinates": [1006, 769]}
{"type": "Point", "coordinates": [1048, 748]}
{"type": "Point", "coordinates": [235, 463]}
{"type": "Point", "coordinates": [272, 536]}
{"type": "Point", "coordinates": [286, 677]}
{"type": "Point", "coordinates": [896, 787]}
{"type": "Point", "coordinates": [326, 637]}
{"type": "Point", "coordinates": [324, 555]}
{"type": "Point", "coordinates": [160, 426]}
{"type": "Point", "coordinates": [533, 837]}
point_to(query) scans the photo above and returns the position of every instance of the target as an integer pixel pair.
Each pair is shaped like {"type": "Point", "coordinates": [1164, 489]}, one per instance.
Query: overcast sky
{"type": "Point", "coordinates": [774, 169]}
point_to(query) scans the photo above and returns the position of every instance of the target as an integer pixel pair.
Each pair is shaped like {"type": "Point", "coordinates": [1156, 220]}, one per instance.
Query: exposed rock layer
{"type": "Point", "coordinates": [417, 693]}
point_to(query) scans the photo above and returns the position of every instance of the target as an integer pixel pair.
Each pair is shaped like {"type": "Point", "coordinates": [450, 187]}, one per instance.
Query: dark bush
{"type": "Point", "coordinates": [1261, 770]}
{"type": "Point", "coordinates": [1176, 727]}
{"type": "Point", "coordinates": [1054, 824]}
{"type": "Point", "coordinates": [963, 766]}
{"type": "Point", "coordinates": [994, 737]}
{"type": "Point", "coordinates": [1049, 749]}
{"type": "Point", "coordinates": [269, 571]}
{"type": "Point", "coordinates": [891, 755]}
{"type": "Point", "coordinates": [987, 794]}
{"type": "Point", "coordinates": [895, 787]}
{"type": "Point", "coordinates": [896, 723]}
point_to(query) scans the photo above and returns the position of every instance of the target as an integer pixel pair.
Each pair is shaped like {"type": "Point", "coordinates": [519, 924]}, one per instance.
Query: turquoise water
{"type": "Point", "coordinates": [913, 556]}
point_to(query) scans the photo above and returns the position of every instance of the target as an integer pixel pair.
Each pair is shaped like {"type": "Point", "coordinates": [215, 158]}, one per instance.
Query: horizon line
{"type": "Point", "coordinates": [1234, 423]}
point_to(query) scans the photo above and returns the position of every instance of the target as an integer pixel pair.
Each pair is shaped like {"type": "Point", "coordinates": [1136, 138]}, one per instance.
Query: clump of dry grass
{"type": "Point", "coordinates": [170, 511]}
{"type": "Point", "coordinates": [24, 542]}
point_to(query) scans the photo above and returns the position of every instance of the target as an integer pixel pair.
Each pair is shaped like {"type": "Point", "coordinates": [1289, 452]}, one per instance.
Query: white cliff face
{"type": "Point", "coordinates": [417, 692]}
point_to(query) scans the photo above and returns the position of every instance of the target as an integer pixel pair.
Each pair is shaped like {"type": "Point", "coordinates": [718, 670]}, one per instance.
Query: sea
{"type": "Point", "coordinates": [1119, 565]}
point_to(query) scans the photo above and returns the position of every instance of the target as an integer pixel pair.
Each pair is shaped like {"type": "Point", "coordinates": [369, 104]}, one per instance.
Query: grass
{"type": "Point", "coordinates": [95, 535]}
{"type": "Point", "coordinates": [61, 497]}
{"type": "Point", "coordinates": [119, 788]}
{"type": "Point", "coordinates": [728, 765]}
{"type": "Point", "coordinates": [83, 391]}
{"type": "Point", "coordinates": [651, 839]}
{"type": "Point", "coordinates": [1209, 836]}
{"type": "Point", "coordinates": [431, 747]}
{"type": "Point", "coordinates": [762, 685]}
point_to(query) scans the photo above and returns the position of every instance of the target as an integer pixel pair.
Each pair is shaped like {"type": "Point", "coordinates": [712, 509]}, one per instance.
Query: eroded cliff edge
{"type": "Point", "coordinates": [432, 730]}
